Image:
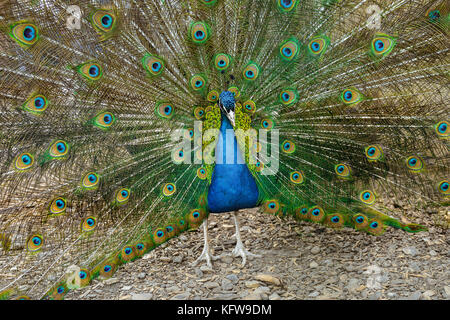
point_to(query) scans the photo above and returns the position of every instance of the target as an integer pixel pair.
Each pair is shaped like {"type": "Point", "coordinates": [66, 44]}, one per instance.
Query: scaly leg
{"type": "Point", "coordinates": [240, 250]}
{"type": "Point", "coordinates": [206, 254]}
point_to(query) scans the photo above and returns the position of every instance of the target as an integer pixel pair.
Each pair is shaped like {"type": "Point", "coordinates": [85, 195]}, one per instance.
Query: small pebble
{"type": "Point", "coordinates": [315, 250]}
{"type": "Point", "coordinates": [142, 296]}
{"type": "Point", "coordinates": [412, 251]}
{"type": "Point", "coordinates": [232, 277]}
{"type": "Point", "coordinates": [211, 285]}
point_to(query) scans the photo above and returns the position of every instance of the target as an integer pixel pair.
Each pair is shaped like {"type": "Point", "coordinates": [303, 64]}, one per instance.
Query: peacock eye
{"type": "Point", "coordinates": [107, 268]}
{"type": "Point", "coordinates": [414, 163]}
{"type": "Point", "coordinates": [442, 129]}
{"type": "Point", "coordinates": [251, 72]}
{"type": "Point", "coordinates": [25, 34]}
{"type": "Point", "coordinates": [288, 96]}
{"type": "Point", "coordinates": [61, 147]}
{"type": "Point", "coordinates": [169, 189]}
{"type": "Point", "coordinates": [434, 15]}
{"type": "Point", "coordinates": [24, 161]}
{"type": "Point", "coordinates": [286, 5]}
{"type": "Point", "coordinates": [318, 45]}
{"type": "Point", "coordinates": [222, 61]}
{"type": "Point", "coordinates": [382, 45]}
{"type": "Point", "coordinates": [58, 206]}
{"type": "Point", "coordinates": [351, 96]}
{"type": "Point", "coordinates": [153, 64]}
{"type": "Point", "coordinates": [288, 146]}
{"type": "Point", "coordinates": [39, 103]}
{"type": "Point", "coordinates": [160, 234]}
{"type": "Point", "coordinates": [34, 243]}
{"type": "Point", "coordinates": [444, 187]}
{"type": "Point", "coordinates": [60, 290]}
{"type": "Point", "coordinates": [164, 110]}
{"type": "Point", "coordinates": [296, 177]}
{"type": "Point", "coordinates": [335, 219]}
{"type": "Point", "coordinates": [82, 275]}
{"type": "Point", "coordinates": [367, 196]}
{"type": "Point", "coordinates": [107, 21]}
{"type": "Point", "coordinates": [374, 225]}
{"type": "Point", "coordinates": [103, 21]}
{"type": "Point", "coordinates": [94, 71]}
{"type": "Point", "coordinates": [90, 70]}
{"type": "Point", "coordinates": [36, 104]}
{"type": "Point", "coordinates": [342, 170]}
{"type": "Point", "coordinates": [198, 82]}
{"type": "Point", "coordinates": [199, 32]}
{"type": "Point", "coordinates": [122, 195]}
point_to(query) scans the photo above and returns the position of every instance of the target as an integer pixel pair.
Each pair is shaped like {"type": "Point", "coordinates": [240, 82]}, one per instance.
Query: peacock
{"type": "Point", "coordinates": [125, 123]}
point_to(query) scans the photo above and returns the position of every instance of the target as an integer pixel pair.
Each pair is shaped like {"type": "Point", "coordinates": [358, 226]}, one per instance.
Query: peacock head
{"type": "Point", "coordinates": [227, 103]}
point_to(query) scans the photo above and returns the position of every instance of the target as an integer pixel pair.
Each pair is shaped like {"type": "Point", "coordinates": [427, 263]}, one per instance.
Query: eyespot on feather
{"type": "Point", "coordinates": [59, 149]}
{"type": "Point", "coordinates": [374, 153]}
{"type": "Point", "coordinates": [288, 146]}
{"type": "Point", "coordinates": [36, 104]}
{"type": "Point", "coordinates": [360, 221]}
{"type": "Point", "coordinates": [288, 96]}
{"type": "Point", "coordinates": [296, 177]}
{"type": "Point", "coordinates": [318, 45]}
{"type": "Point", "coordinates": [24, 33]}
{"type": "Point", "coordinates": [351, 96]}
{"type": "Point", "coordinates": [287, 5]}
{"type": "Point", "coordinates": [169, 189]}
{"type": "Point", "coordinates": [24, 161]}
{"type": "Point", "coordinates": [271, 206]}
{"type": "Point", "coordinates": [342, 170]}
{"type": "Point", "coordinates": [199, 32]}
{"type": "Point", "coordinates": [222, 61]}
{"type": "Point", "coordinates": [35, 242]}
{"type": "Point", "coordinates": [122, 196]}
{"type": "Point", "coordinates": [381, 45]}
{"type": "Point", "coordinates": [90, 70]}
{"type": "Point", "coordinates": [153, 64]}
{"type": "Point", "coordinates": [58, 206]}
{"type": "Point", "coordinates": [195, 218]}
{"type": "Point", "coordinates": [335, 220]}
{"type": "Point", "coordinates": [90, 181]}
{"type": "Point", "coordinates": [198, 82]}
{"type": "Point", "coordinates": [88, 224]}
{"type": "Point", "coordinates": [367, 197]}
{"type": "Point", "coordinates": [251, 72]}
{"type": "Point", "coordinates": [164, 109]}
{"type": "Point", "coordinates": [316, 214]}
{"type": "Point", "coordinates": [414, 163]}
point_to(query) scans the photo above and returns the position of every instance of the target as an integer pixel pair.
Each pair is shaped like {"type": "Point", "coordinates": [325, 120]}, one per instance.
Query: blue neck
{"type": "Point", "coordinates": [232, 186]}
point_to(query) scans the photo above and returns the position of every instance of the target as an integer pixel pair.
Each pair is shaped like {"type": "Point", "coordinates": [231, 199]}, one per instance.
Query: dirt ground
{"type": "Point", "coordinates": [299, 261]}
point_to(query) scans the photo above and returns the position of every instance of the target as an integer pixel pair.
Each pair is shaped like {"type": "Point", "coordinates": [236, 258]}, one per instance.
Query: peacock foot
{"type": "Point", "coordinates": [207, 256]}
{"type": "Point", "coordinates": [206, 253]}
{"type": "Point", "coordinates": [240, 250]}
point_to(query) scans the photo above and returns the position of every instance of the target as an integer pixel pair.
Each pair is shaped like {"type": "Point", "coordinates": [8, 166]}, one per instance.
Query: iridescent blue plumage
{"type": "Point", "coordinates": [232, 186]}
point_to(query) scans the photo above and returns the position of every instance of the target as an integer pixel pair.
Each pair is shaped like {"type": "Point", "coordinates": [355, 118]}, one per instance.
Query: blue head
{"type": "Point", "coordinates": [227, 100]}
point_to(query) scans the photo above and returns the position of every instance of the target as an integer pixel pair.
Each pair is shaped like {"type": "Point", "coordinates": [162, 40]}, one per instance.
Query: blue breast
{"type": "Point", "coordinates": [232, 186]}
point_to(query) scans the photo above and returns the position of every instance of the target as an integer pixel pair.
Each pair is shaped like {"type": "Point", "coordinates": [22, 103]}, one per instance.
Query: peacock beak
{"type": "Point", "coordinates": [228, 112]}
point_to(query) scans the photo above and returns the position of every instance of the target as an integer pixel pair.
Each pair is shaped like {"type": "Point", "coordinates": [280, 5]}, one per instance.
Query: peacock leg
{"type": "Point", "coordinates": [240, 250]}
{"type": "Point", "coordinates": [206, 254]}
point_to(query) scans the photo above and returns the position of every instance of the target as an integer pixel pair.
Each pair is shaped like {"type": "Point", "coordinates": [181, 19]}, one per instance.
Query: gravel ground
{"type": "Point", "coordinates": [299, 261]}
